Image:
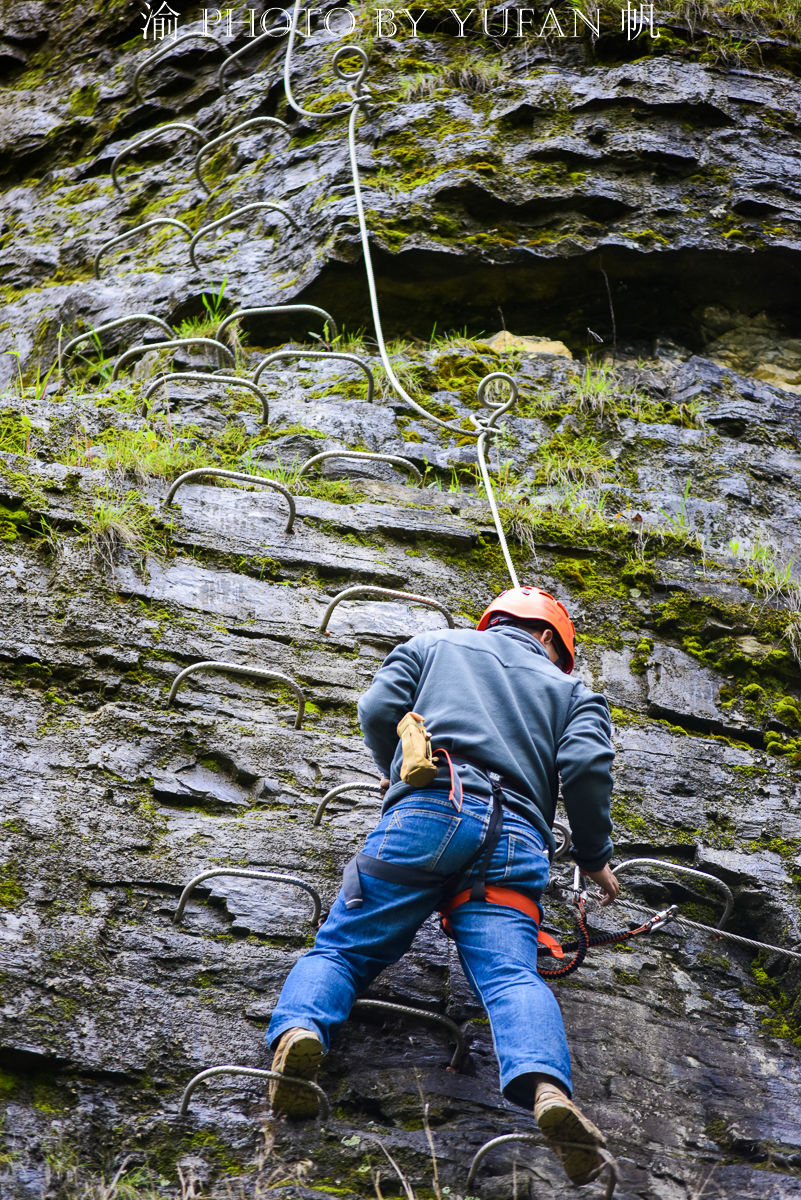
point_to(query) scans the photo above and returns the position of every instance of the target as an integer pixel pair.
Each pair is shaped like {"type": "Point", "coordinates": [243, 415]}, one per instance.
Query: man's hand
{"type": "Point", "coordinates": [606, 881]}
{"type": "Point", "coordinates": [382, 787]}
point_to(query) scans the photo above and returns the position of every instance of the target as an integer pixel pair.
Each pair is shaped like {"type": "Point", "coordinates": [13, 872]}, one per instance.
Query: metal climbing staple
{"type": "Point", "coordinates": [181, 226]}
{"type": "Point", "coordinates": [173, 344]}
{"type": "Point", "coordinates": [256, 206]}
{"type": "Point", "coordinates": [164, 50]}
{"type": "Point", "coordinates": [507, 1138]}
{"type": "Point", "coordinates": [181, 126]}
{"type": "Point", "coordinates": [354, 80]}
{"type": "Point", "coordinates": [336, 355]}
{"type": "Point", "coordinates": [241, 476]}
{"type": "Point", "coordinates": [244, 672]}
{"type": "Point", "coordinates": [253, 1073]}
{"type": "Point", "coordinates": [116, 324]}
{"type": "Point", "coordinates": [215, 143]}
{"type": "Point", "coordinates": [271, 309]}
{"type": "Point", "coordinates": [340, 790]}
{"type": "Point", "coordinates": [247, 873]}
{"type": "Point", "coordinates": [369, 589]}
{"type": "Point", "coordinates": [394, 459]}
{"type": "Point", "coordinates": [422, 1014]}
{"type": "Point", "coordinates": [268, 36]}
{"type": "Point", "coordinates": [205, 377]}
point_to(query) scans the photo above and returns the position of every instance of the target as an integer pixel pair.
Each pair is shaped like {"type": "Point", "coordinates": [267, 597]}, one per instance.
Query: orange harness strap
{"type": "Point", "coordinates": [510, 899]}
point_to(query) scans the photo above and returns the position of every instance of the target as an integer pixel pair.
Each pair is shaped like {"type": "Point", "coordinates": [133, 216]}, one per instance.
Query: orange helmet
{"type": "Point", "coordinates": [533, 604]}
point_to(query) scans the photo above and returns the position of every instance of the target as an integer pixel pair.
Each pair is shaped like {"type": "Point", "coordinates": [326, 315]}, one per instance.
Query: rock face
{"type": "Point", "coordinates": [656, 493]}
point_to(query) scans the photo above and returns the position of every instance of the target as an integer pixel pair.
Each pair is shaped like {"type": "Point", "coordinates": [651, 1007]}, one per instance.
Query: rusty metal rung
{"type": "Point", "coordinates": [247, 873]}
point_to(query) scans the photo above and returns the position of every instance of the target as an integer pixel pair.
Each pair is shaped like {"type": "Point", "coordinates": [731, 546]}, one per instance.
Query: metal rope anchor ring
{"type": "Point", "coordinates": [181, 226]}
{"type": "Point", "coordinates": [173, 344]}
{"type": "Point", "coordinates": [369, 589]}
{"type": "Point", "coordinates": [213, 664]}
{"type": "Point", "coordinates": [394, 459]}
{"type": "Point", "coordinates": [182, 126]}
{"type": "Point", "coordinates": [95, 332]}
{"type": "Point", "coordinates": [327, 354]}
{"type": "Point", "coordinates": [422, 1014]}
{"type": "Point", "coordinates": [693, 872]}
{"type": "Point", "coordinates": [269, 309]}
{"type": "Point", "coordinates": [255, 1073]}
{"type": "Point", "coordinates": [256, 206]}
{"type": "Point", "coordinates": [220, 473]}
{"type": "Point", "coordinates": [206, 377]}
{"type": "Point", "coordinates": [247, 873]}
{"type": "Point", "coordinates": [215, 143]}
{"type": "Point", "coordinates": [339, 791]}
{"type": "Point", "coordinates": [507, 1138]}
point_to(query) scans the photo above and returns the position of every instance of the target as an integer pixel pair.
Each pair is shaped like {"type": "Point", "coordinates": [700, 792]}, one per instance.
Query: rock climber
{"type": "Point", "coordinates": [506, 723]}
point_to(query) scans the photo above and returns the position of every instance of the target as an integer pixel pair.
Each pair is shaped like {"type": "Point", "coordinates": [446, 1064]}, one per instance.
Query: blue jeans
{"type": "Point", "coordinates": [497, 945]}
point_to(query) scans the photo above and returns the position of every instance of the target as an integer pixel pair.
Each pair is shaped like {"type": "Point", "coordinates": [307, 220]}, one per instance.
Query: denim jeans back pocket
{"type": "Point", "coordinates": [415, 836]}
{"type": "Point", "coordinates": [520, 859]}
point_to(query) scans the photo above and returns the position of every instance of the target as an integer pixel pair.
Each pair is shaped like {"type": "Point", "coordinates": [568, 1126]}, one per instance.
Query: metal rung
{"type": "Point", "coordinates": [247, 873]}
{"type": "Point", "coordinates": [206, 377]}
{"type": "Point", "coordinates": [369, 455]}
{"type": "Point", "coordinates": [266, 310]}
{"type": "Point", "coordinates": [506, 1138]}
{"type": "Point", "coordinates": [422, 1014]}
{"type": "Point", "coordinates": [215, 143]}
{"type": "Point", "coordinates": [369, 589]}
{"type": "Point", "coordinates": [327, 354]}
{"type": "Point", "coordinates": [692, 871]}
{"type": "Point", "coordinates": [256, 206]}
{"type": "Point", "coordinates": [247, 673]}
{"type": "Point", "coordinates": [268, 36]}
{"type": "Point", "coordinates": [339, 791]}
{"type": "Point", "coordinates": [181, 226]}
{"type": "Point", "coordinates": [173, 344]}
{"type": "Point", "coordinates": [254, 1073]}
{"type": "Point", "coordinates": [163, 51]}
{"type": "Point", "coordinates": [87, 337]}
{"type": "Point", "coordinates": [182, 126]}
{"type": "Point", "coordinates": [219, 473]}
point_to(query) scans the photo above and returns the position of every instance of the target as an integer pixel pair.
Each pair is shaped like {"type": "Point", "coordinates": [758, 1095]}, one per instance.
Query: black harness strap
{"type": "Point", "coordinates": [488, 845]}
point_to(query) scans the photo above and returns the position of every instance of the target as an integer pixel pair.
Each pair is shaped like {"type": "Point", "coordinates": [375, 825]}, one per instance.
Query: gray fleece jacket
{"type": "Point", "coordinates": [495, 699]}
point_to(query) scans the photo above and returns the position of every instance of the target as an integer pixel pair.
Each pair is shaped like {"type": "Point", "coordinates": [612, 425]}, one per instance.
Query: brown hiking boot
{"type": "Point", "coordinates": [571, 1135]}
{"type": "Point", "coordinates": [298, 1054]}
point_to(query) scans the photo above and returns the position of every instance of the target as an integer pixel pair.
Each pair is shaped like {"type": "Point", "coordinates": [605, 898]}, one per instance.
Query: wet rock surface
{"type": "Point", "coordinates": [657, 495]}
